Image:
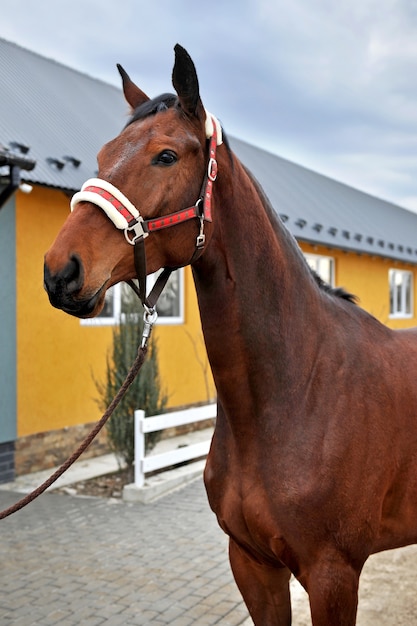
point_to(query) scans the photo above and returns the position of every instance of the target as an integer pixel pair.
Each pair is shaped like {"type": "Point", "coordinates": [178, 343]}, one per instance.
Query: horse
{"type": "Point", "coordinates": [313, 461]}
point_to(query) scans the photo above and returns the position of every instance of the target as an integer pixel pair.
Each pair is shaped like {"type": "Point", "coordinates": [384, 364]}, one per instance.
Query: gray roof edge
{"type": "Point", "coordinates": [317, 174]}
{"type": "Point", "coordinates": [369, 249]}
{"type": "Point", "coordinates": [323, 211]}
{"type": "Point", "coordinates": [61, 64]}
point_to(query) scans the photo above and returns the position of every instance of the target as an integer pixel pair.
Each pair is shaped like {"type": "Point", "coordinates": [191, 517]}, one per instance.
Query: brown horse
{"type": "Point", "coordinates": [313, 463]}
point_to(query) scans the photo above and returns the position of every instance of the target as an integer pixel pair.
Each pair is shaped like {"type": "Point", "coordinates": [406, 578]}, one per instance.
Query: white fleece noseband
{"type": "Point", "coordinates": [106, 196]}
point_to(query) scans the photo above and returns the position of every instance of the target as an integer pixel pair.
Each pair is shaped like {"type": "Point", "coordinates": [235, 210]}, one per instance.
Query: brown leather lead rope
{"type": "Point", "coordinates": [137, 364]}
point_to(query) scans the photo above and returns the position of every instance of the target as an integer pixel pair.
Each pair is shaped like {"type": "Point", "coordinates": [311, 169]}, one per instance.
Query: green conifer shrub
{"type": "Point", "coordinates": [145, 392]}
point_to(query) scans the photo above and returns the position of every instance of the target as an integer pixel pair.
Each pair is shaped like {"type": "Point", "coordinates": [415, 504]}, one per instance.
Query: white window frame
{"type": "Point", "coordinates": [317, 260]}
{"type": "Point", "coordinates": [401, 294]}
{"type": "Point", "coordinates": [116, 293]}
{"type": "Point", "coordinates": [163, 318]}
{"type": "Point", "coordinates": [111, 320]}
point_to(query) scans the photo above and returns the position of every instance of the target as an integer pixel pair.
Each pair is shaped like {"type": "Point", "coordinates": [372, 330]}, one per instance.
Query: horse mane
{"type": "Point", "coordinates": [162, 103]}
{"type": "Point", "coordinates": [339, 292]}
{"type": "Point", "coordinates": [153, 106]}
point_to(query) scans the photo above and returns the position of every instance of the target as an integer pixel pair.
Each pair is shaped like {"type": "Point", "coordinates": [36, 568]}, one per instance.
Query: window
{"type": "Point", "coordinates": [170, 306]}
{"type": "Point", "coordinates": [400, 293]}
{"type": "Point", "coordinates": [110, 314]}
{"type": "Point", "coordinates": [323, 266]}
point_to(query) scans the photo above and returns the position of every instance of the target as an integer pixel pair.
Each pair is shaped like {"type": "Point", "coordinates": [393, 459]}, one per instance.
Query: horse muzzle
{"type": "Point", "coordinates": [64, 289]}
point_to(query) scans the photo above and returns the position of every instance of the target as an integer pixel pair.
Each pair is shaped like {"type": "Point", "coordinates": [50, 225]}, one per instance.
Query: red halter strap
{"type": "Point", "coordinates": [202, 208]}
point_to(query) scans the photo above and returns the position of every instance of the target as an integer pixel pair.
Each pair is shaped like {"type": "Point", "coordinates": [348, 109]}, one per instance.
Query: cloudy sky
{"type": "Point", "coordinates": [329, 85]}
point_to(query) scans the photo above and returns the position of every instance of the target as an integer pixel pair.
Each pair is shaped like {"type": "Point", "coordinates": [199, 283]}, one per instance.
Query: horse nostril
{"type": "Point", "coordinates": [73, 274]}
{"type": "Point", "coordinates": [67, 281]}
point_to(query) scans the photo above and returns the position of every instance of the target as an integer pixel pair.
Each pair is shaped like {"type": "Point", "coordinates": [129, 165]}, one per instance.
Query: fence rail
{"type": "Point", "coordinates": [145, 464]}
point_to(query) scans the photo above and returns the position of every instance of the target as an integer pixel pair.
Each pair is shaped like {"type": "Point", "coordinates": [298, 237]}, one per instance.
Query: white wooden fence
{"type": "Point", "coordinates": [144, 464]}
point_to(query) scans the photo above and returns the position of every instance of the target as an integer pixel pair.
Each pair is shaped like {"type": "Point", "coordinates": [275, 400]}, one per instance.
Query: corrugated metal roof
{"type": "Point", "coordinates": [321, 210]}
{"type": "Point", "coordinates": [60, 113]}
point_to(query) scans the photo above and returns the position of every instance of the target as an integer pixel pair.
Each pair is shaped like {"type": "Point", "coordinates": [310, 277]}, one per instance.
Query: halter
{"type": "Point", "coordinates": [125, 216]}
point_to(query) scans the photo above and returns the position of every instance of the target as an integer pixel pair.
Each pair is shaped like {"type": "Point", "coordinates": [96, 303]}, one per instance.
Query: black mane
{"type": "Point", "coordinates": [162, 103]}
{"type": "Point", "coordinates": [153, 106]}
{"type": "Point", "coordinates": [339, 292]}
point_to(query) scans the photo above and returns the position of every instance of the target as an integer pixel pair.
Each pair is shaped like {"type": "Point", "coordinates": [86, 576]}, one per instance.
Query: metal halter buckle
{"type": "Point", "coordinates": [135, 232]}
{"type": "Point", "coordinates": [201, 238]}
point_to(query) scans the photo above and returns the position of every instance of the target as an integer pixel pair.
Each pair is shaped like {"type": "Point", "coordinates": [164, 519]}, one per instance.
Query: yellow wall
{"type": "Point", "coordinates": [182, 355]}
{"type": "Point", "coordinates": [57, 356]}
{"type": "Point", "coordinates": [367, 277]}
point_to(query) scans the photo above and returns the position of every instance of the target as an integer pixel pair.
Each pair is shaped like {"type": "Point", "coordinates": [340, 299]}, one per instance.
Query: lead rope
{"type": "Point", "coordinates": [149, 320]}
{"type": "Point", "coordinates": [204, 213]}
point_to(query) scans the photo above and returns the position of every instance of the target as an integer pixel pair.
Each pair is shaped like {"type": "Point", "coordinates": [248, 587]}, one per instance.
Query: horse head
{"type": "Point", "coordinates": [152, 175]}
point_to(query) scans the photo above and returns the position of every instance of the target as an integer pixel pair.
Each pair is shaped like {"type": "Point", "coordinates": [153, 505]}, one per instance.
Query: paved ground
{"type": "Point", "coordinates": [84, 561]}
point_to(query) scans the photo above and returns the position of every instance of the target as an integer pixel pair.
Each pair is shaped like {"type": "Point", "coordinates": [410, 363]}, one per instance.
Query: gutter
{"type": "Point", "coordinates": [16, 163]}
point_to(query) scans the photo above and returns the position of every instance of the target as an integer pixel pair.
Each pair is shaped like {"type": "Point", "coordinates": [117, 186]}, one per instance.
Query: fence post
{"type": "Point", "coordinates": [139, 448]}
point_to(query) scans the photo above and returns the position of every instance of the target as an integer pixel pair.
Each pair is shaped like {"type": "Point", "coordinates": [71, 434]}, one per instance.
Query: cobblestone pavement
{"type": "Point", "coordinates": [88, 561]}
{"type": "Point", "coordinates": [79, 561]}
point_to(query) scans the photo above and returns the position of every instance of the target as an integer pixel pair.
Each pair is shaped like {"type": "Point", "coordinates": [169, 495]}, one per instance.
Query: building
{"type": "Point", "coordinates": [53, 120]}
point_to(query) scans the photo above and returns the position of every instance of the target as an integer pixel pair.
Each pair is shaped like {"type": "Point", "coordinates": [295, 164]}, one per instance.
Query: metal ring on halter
{"type": "Point", "coordinates": [150, 315]}
{"type": "Point", "coordinates": [212, 169]}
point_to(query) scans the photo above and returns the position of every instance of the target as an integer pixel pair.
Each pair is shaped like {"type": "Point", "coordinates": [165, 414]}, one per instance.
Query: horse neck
{"type": "Point", "coordinates": [255, 291]}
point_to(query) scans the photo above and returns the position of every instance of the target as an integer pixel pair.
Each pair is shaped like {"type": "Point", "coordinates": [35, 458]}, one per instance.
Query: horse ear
{"type": "Point", "coordinates": [185, 81]}
{"type": "Point", "coordinates": [134, 96]}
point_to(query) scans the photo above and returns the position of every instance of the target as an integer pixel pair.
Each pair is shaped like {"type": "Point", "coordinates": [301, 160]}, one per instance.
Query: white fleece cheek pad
{"type": "Point", "coordinates": [210, 129]}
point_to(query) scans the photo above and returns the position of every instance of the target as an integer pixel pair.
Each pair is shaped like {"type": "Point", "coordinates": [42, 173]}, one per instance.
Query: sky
{"type": "Point", "coordinates": [330, 85]}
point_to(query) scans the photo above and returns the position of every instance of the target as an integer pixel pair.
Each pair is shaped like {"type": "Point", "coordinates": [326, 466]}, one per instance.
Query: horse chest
{"type": "Point", "coordinates": [244, 512]}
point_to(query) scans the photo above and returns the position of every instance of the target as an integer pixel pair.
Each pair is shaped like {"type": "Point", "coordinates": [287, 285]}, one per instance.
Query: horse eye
{"type": "Point", "coordinates": [166, 157]}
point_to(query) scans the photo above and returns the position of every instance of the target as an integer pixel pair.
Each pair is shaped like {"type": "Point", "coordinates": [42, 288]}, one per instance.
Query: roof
{"type": "Point", "coordinates": [320, 210]}
{"type": "Point", "coordinates": [64, 117]}
{"type": "Point", "coordinates": [59, 113]}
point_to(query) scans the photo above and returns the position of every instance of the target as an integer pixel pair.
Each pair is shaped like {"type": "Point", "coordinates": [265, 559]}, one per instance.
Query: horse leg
{"type": "Point", "coordinates": [332, 586]}
{"type": "Point", "coordinates": [265, 589]}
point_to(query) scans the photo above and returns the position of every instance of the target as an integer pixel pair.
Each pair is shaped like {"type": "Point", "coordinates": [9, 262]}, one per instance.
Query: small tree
{"type": "Point", "coordinates": [145, 392]}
